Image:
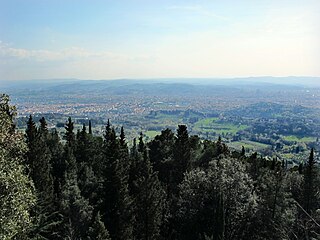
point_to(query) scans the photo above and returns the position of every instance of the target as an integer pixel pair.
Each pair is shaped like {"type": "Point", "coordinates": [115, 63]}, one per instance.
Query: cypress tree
{"type": "Point", "coordinates": [39, 158]}
{"type": "Point", "coordinates": [116, 203]}
{"type": "Point", "coordinates": [243, 151]}
{"type": "Point", "coordinates": [90, 128]}
{"type": "Point", "coordinates": [134, 150]}
{"type": "Point", "coordinates": [149, 199]}
{"type": "Point", "coordinates": [45, 212]}
{"type": "Point", "coordinates": [43, 129]}
{"type": "Point", "coordinates": [69, 134]}
{"type": "Point", "coordinates": [122, 138]}
{"type": "Point", "coordinates": [98, 231]}
{"type": "Point", "coordinates": [57, 161]}
{"type": "Point", "coordinates": [141, 145]}
{"type": "Point", "coordinates": [182, 153]}
{"type": "Point", "coordinates": [83, 146]}
{"type": "Point", "coordinates": [76, 209]}
{"type": "Point", "coordinates": [161, 155]}
{"type": "Point", "coordinates": [310, 189]}
{"type": "Point", "coordinates": [107, 134]}
{"type": "Point", "coordinates": [31, 130]}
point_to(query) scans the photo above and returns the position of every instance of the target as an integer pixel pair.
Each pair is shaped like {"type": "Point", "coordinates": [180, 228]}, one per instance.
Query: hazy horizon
{"type": "Point", "coordinates": [167, 39]}
{"type": "Point", "coordinates": [302, 81]}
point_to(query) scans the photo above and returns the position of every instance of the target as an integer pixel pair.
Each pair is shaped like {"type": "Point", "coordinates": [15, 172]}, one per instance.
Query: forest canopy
{"type": "Point", "coordinates": [175, 186]}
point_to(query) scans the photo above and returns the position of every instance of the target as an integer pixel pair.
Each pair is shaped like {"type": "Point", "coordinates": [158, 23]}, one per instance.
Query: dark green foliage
{"type": "Point", "coordinates": [161, 154]}
{"type": "Point", "coordinates": [98, 231]}
{"type": "Point", "coordinates": [31, 131]}
{"type": "Point", "coordinates": [182, 153]}
{"type": "Point", "coordinates": [307, 199]}
{"type": "Point", "coordinates": [69, 135]}
{"type": "Point", "coordinates": [310, 202]}
{"type": "Point", "coordinates": [76, 209]}
{"type": "Point", "coordinates": [57, 161]}
{"type": "Point", "coordinates": [243, 151]}
{"type": "Point", "coordinates": [39, 157]}
{"type": "Point", "coordinates": [141, 146]}
{"type": "Point", "coordinates": [122, 138]}
{"type": "Point", "coordinates": [90, 127]}
{"type": "Point", "coordinates": [116, 201]}
{"type": "Point", "coordinates": [45, 213]}
{"type": "Point", "coordinates": [276, 208]}
{"type": "Point", "coordinates": [149, 200]}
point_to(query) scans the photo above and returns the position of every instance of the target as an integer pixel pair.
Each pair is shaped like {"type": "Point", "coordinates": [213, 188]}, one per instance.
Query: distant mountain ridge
{"type": "Point", "coordinates": [251, 81]}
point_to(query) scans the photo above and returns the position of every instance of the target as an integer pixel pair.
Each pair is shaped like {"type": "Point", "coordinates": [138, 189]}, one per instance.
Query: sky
{"type": "Point", "coordinates": [103, 39]}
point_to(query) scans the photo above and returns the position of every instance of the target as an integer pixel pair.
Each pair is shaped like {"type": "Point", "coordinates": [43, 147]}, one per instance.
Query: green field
{"type": "Point", "coordinates": [292, 138]}
{"type": "Point", "coordinates": [152, 134]}
{"type": "Point", "coordinates": [212, 125]}
{"type": "Point", "coordinates": [255, 146]}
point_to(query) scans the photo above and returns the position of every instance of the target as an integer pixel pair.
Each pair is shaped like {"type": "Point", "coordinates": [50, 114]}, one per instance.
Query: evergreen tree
{"type": "Point", "coordinates": [276, 210]}
{"type": "Point", "coordinates": [31, 131]}
{"type": "Point", "coordinates": [149, 201]}
{"type": "Point", "coordinates": [82, 145]}
{"type": "Point", "coordinates": [161, 155]}
{"type": "Point", "coordinates": [57, 161]}
{"type": "Point", "coordinates": [76, 210]}
{"type": "Point", "coordinates": [134, 150]}
{"type": "Point", "coordinates": [39, 158]}
{"type": "Point", "coordinates": [45, 213]}
{"type": "Point", "coordinates": [141, 146]}
{"type": "Point", "coordinates": [90, 128]}
{"type": "Point", "coordinates": [243, 151]}
{"type": "Point", "coordinates": [107, 135]}
{"type": "Point", "coordinates": [122, 138]}
{"type": "Point", "coordinates": [98, 231]}
{"type": "Point", "coordinates": [116, 203]}
{"type": "Point", "coordinates": [43, 129]}
{"type": "Point", "coordinates": [69, 135]}
{"type": "Point", "coordinates": [182, 153]}
{"type": "Point", "coordinates": [310, 202]}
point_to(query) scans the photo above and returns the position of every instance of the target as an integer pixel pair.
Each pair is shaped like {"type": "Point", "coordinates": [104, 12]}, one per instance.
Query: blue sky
{"type": "Point", "coordinates": [97, 39]}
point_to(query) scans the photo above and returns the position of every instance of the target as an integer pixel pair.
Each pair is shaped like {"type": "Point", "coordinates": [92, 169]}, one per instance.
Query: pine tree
{"type": "Point", "coordinates": [43, 129]}
{"type": "Point", "coordinates": [31, 131]}
{"type": "Point", "coordinates": [39, 158]}
{"type": "Point", "coordinates": [149, 199]}
{"type": "Point", "coordinates": [122, 138]}
{"type": "Point", "coordinates": [57, 161]}
{"type": "Point", "coordinates": [45, 215]}
{"type": "Point", "coordinates": [161, 155]}
{"type": "Point", "coordinates": [76, 209]}
{"type": "Point", "coordinates": [69, 135]}
{"type": "Point", "coordinates": [98, 231]}
{"type": "Point", "coordinates": [310, 187]}
{"type": "Point", "coordinates": [82, 149]}
{"type": "Point", "coordinates": [116, 203]}
{"type": "Point", "coordinates": [141, 145]}
{"type": "Point", "coordinates": [107, 134]}
{"type": "Point", "coordinates": [182, 153]}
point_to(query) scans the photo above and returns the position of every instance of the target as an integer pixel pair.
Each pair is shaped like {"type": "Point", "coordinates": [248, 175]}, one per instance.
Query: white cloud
{"type": "Point", "coordinates": [68, 54]}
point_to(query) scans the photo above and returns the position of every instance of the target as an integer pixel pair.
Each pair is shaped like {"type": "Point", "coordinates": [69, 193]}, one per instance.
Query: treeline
{"type": "Point", "coordinates": [173, 187]}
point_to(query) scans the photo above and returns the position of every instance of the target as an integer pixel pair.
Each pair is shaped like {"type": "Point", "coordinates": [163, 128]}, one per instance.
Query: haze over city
{"type": "Point", "coordinates": [158, 39]}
